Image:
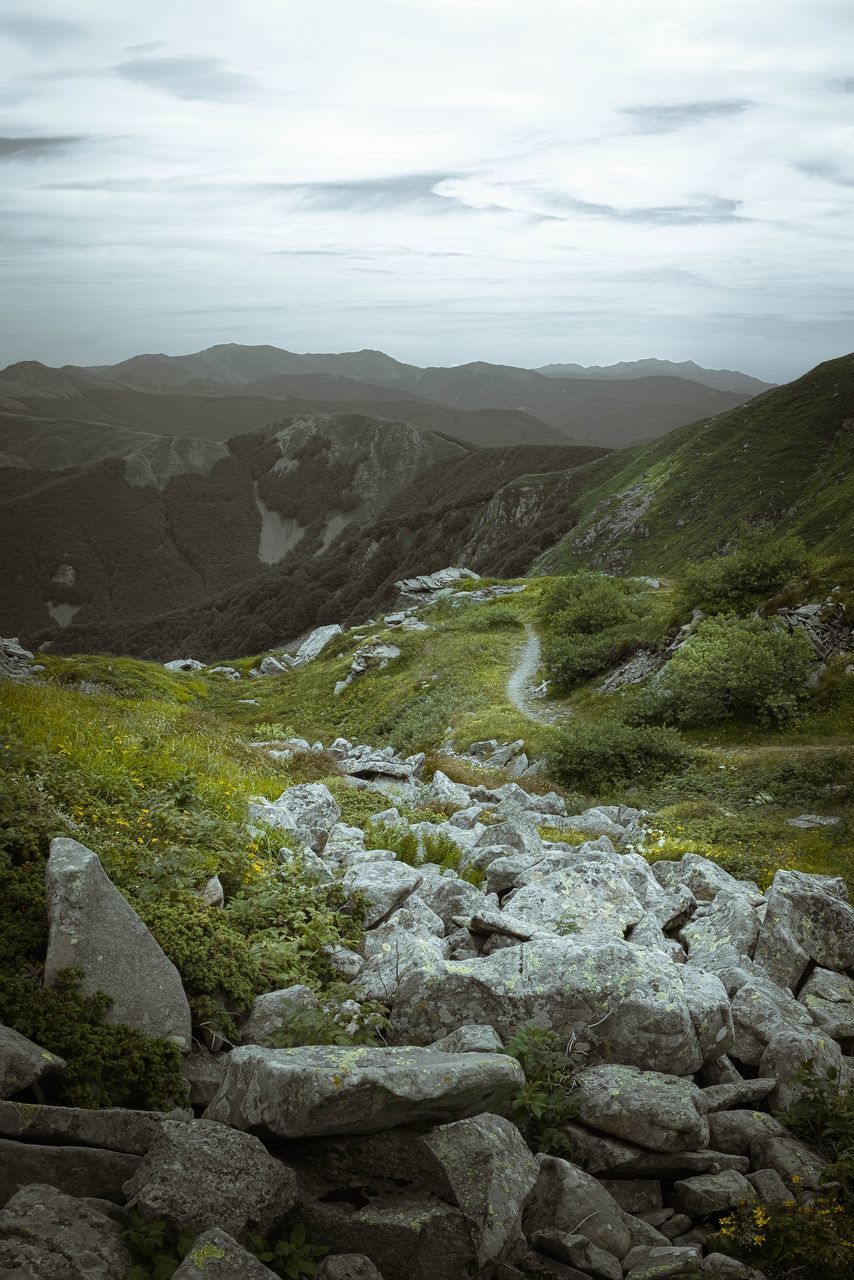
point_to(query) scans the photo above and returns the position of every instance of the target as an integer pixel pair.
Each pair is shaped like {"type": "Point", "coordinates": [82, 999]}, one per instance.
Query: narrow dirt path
{"type": "Point", "coordinates": [521, 682]}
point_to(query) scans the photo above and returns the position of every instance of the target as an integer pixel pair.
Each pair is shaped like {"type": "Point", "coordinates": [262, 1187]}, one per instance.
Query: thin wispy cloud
{"type": "Point", "coordinates": [32, 147]}
{"type": "Point", "coordinates": [666, 117]}
{"type": "Point", "coordinates": [196, 79]}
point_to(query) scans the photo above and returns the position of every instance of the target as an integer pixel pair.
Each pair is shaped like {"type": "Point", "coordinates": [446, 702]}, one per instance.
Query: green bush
{"type": "Point", "coordinates": [545, 1104]}
{"type": "Point", "coordinates": [599, 756]}
{"type": "Point", "coordinates": [569, 659]}
{"type": "Point", "coordinates": [734, 583]}
{"type": "Point", "coordinates": [586, 603]}
{"type": "Point", "coordinates": [731, 668]}
{"type": "Point", "coordinates": [108, 1065]}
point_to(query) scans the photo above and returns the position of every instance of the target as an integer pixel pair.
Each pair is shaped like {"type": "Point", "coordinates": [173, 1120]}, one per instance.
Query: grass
{"type": "Point", "coordinates": [785, 456]}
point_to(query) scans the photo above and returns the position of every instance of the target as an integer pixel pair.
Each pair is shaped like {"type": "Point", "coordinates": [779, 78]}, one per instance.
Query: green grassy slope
{"type": "Point", "coordinates": [783, 460]}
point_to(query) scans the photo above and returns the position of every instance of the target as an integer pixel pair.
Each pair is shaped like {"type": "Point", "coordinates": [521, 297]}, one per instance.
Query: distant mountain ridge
{"type": "Point", "coordinates": [718, 379]}
{"type": "Point", "coordinates": [227, 388]}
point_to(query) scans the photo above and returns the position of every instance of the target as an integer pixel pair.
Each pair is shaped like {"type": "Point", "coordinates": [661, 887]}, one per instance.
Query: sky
{"type": "Point", "coordinates": [520, 181]}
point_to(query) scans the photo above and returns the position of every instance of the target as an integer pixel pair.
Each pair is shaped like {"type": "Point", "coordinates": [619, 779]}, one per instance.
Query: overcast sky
{"type": "Point", "coordinates": [521, 181]}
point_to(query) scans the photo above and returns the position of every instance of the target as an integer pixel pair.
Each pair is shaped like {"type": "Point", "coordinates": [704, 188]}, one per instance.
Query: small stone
{"type": "Point", "coordinates": [215, 1255]}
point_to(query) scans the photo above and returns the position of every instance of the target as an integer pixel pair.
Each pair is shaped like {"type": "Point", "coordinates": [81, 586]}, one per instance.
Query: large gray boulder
{"type": "Point", "coordinates": [808, 918]}
{"type": "Point", "coordinates": [384, 885]}
{"type": "Point", "coordinates": [270, 1011]}
{"type": "Point", "coordinates": [85, 1171]}
{"type": "Point", "coordinates": [108, 1128]}
{"type": "Point", "coordinates": [760, 1011]}
{"type": "Point", "coordinates": [48, 1235]}
{"type": "Point", "coordinates": [22, 1063]}
{"type": "Point", "coordinates": [198, 1175]}
{"type": "Point", "coordinates": [721, 933]}
{"type": "Point", "coordinates": [490, 1173]}
{"type": "Point", "coordinates": [322, 1090]}
{"type": "Point", "coordinates": [633, 1006]}
{"type": "Point", "coordinates": [661, 1112]}
{"type": "Point", "coordinates": [308, 812]}
{"type": "Point", "coordinates": [94, 929]}
{"type": "Point", "coordinates": [567, 1199]}
{"type": "Point", "coordinates": [589, 895]}
{"type": "Point", "coordinates": [314, 644]}
{"type": "Point", "coordinates": [828, 997]}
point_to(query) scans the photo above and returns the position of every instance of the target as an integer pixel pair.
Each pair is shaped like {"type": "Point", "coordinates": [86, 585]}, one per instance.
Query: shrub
{"type": "Point", "coordinates": [734, 583]}
{"type": "Point", "coordinates": [544, 1104]}
{"type": "Point", "coordinates": [599, 756]}
{"type": "Point", "coordinates": [730, 668]}
{"type": "Point", "coordinates": [586, 603]}
{"type": "Point", "coordinates": [569, 659]}
{"type": "Point", "coordinates": [108, 1065]}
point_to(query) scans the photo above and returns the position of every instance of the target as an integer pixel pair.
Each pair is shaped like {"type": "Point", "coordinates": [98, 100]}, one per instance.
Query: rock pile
{"type": "Point", "coordinates": [16, 662]}
{"type": "Point", "coordinates": [690, 999]}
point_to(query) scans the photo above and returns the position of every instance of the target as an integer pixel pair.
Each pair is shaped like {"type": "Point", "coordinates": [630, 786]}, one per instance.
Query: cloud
{"type": "Point", "coordinates": [40, 32]}
{"type": "Point", "coordinates": [702, 209]}
{"type": "Point", "coordinates": [193, 78]}
{"type": "Point", "coordinates": [22, 148]}
{"type": "Point", "coordinates": [415, 190]}
{"type": "Point", "coordinates": [667, 117]}
{"type": "Point", "coordinates": [828, 171]}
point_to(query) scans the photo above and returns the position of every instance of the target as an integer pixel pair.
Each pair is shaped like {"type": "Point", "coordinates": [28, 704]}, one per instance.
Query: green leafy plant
{"type": "Point", "coordinates": [293, 1257]}
{"type": "Point", "coordinates": [545, 1103]}
{"type": "Point", "coordinates": [157, 1248]}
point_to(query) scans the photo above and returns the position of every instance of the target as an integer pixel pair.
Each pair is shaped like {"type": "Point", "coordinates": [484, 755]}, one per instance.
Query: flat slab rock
{"type": "Point", "coordinates": [111, 1128]}
{"type": "Point", "coordinates": [322, 1090]}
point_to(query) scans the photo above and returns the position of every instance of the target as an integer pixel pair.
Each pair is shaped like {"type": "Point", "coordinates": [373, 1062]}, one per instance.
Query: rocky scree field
{"type": "Point", "coordinates": [333, 961]}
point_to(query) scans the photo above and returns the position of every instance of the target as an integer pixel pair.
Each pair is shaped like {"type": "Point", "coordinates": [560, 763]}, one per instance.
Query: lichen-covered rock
{"type": "Point", "coordinates": [567, 1199]}
{"type": "Point", "coordinates": [110, 1128]}
{"type": "Point", "coordinates": [712, 1193]}
{"type": "Point", "coordinates": [578, 1251]}
{"type": "Point", "coordinates": [634, 1006]}
{"type": "Point", "coordinates": [94, 929]}
{"type": "Point", "coordinates": [271, 1010]}
{"type": "Point", "coordinates": [215, 1255]}
{"type": "Point", "coordinates": [808, 918]}
{"type": "Point", "coordinates": [760, 1011]}
{"type": "Point", "coordinates": [661, 1112]}
{"type": "Point", "coordinates": [385, 886]}
{"type": "Point", "coordinates": [589, 894]}
{"type": "Point", "coordinates": [22, 1063]}
{"type": "Point", "coordinates": [320, 1089]}
{"type": "Point", "coordinates": [722, 932]}
{"type": "Point", "coordinates": [828, 997]}
{"type": "Point", "coordinates": [308, 811]}
{"type": "Point", "coordinates": [490, 1172]}
{"type": "Point", "coordinates": [791, 1050]}
{"type": "Point", "coordinates": [47, 1235]}
{"type": "Point", "coordinates": [476, 1038]}
{"type": "Point", "coordinates": [198, 1175]}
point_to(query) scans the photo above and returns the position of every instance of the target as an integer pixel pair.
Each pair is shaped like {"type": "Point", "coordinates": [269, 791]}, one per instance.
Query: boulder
{"type": "Point", "coordinates": [567, 1199]}
{"type": "Point", "coordinates": [198, 1174]}
{"type": "Point", "coordinates": [760, 1011]}
{"type": "Point", "coordinates": [828, 997]}
{"type": "Point", "coordinates": [85, 1171]}
{"type": "Point", "coordinates": [271, 1010]}
{"type": "Point", "coordinates": [711, 1193]}
{"type": "Point", "coordinates": [703, 877]}
{"type": "Point", "coordinates": [444, 793]}
{"type": "Point", "coordinates": [48, 1235]}
{"type": "Point", "coordinates": [319, 1090]}
{"type": "Point", "coordinates": [314, 644]}
{"type": "Point", "coordinates": [309, 811]}
{"type": "Point", "coordinates": [476, 1038]}
{"type": "Point", "coordinates": [347, 1266]}
{"type": "Point", "coordinates": [589, 896]}
{"type": "Point", "coordinates": [405, 944]}
{"type": "Point", "coordinates": [789, 1051]}
{"type": "Point", "coordinates": [807, 918]}
{"type": "Point", "coordinates": [489, 1173]}
{"type": "Point", "coordinates": [271, 666]}
{"type": "Point", "coordinates": [15, 660]}
{"type": "Point", "coordinates": [215, 1255]}
{"type": "Point", "coordinates": [385, 886]}
{"type": "Point", "coordinates": [94, 929]}
{"type": "Point", "coordinates": [109, 1128]}
{"type": "Point", "coordinates": [579, 1252]}
{"type": "Point", "coordinates": [202, 1072]}
{"type": "Point", "coordinates": [23, 1063]}
{"type": "Point", "coordinates": [633, 1006]}
{"type": "Point", "coordinates": [661, 1112]}
{"type": "Point", "coordinates": [721, 933]}
{"type": "Point", "coordinates": [184, 664]}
